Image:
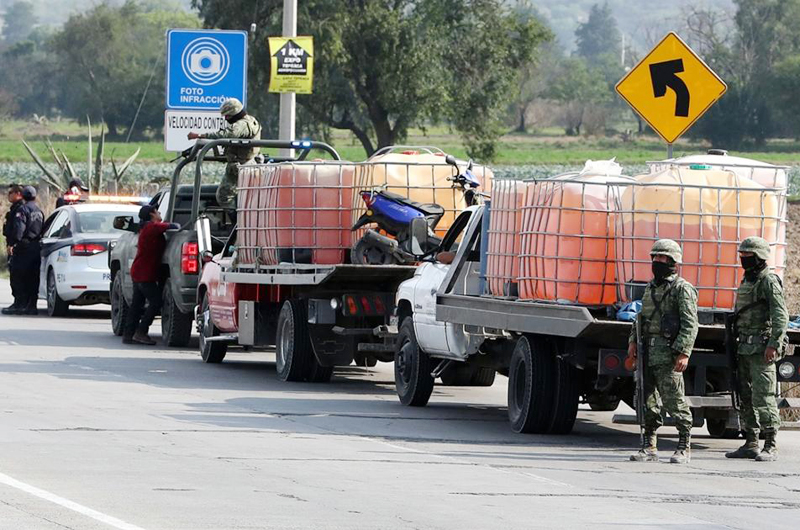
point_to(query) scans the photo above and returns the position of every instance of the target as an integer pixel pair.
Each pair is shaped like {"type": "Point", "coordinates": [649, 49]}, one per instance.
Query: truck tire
{"type": "Point", "coordinates": [565, 409]}
{"type": "Point", "coordinates": [211, 352]}
{"type": "Point", "coordinates": [56, 306]}
{"type": "Point", "coordinates": [176, 327]}
{"type": "Point", "coordinates": [717, 429]}
{"type": "Point", "coordinates": [460, 374]}
{"type": "Point", "coordinates": [119, 307]}
{"type": "Point", "coordinates": [531, 387]}
{"type": "Point", "coordinates": [293, 350]}
{"type": "Point", "coordinates": [412, 368]}
{"type": "Point", "coordinates": [483, 377]}
{"type": "Point", "coordinates": [318, 373]}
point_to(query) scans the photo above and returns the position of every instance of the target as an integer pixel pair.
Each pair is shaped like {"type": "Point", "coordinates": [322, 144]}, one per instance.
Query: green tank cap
{"type": "Point", "coordinates": [699, 166]}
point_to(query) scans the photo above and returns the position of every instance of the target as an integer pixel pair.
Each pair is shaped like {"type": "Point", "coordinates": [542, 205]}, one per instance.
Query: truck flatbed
{"type": "Point", "coordinates": [309, 274]}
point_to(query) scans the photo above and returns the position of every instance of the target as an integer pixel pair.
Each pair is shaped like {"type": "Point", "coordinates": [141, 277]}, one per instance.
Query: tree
{"type": "Point", "coordinates": [578, 88]}
{"type": "Point", "coordinates": [18, 22]}
{"type": "Point", "coordinates": [382, 66]}
{"type": "Point", "coordinates": [599, 36]}
{"type": "Point", "coordinates": [103, 75]}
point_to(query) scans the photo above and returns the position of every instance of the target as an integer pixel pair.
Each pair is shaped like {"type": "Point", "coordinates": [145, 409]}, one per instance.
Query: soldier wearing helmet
{"type": "Point", "coordinates": [669, 325]}
{"type": "Point", "coordinates": [240, 126]}
{"type": "Point", "coordinates": [760, 321]}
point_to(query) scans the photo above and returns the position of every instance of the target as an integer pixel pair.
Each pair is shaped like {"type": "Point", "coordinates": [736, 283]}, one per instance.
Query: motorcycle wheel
{"type": "Point", "coordinates": [367, 253]}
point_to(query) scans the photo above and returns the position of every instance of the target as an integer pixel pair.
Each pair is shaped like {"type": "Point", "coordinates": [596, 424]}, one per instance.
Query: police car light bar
{"type": "Point", "coordinates": [117, 198]}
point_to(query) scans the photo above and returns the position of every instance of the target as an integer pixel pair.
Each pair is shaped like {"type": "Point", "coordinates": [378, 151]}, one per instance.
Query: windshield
{"type": "Point", "coordinates": [99, 222]}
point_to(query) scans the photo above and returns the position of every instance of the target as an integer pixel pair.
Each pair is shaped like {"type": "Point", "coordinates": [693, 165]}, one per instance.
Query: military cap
{"type": "Point", "coordinates": [756, 245]}
{"type": "Point", "coordinates": [669, 248]}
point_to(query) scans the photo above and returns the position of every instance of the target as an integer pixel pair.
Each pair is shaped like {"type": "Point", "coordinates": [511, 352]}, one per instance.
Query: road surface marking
{"type": "Point", "coordinates": [66, 503]}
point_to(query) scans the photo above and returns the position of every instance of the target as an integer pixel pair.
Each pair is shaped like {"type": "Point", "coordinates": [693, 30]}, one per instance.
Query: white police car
{"type": "Point", "coordinates": [75, 244]}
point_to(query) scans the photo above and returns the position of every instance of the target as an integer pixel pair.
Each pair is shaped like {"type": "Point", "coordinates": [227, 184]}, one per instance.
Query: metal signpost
{"type": "Point", "coordinates": [671, 88]}
{"type": "Point", "coordinates": [204, 68]}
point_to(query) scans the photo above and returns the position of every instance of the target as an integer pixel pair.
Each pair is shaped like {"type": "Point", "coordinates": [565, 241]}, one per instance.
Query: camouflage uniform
{"type": "Point", "coordinates": [246, 127]}
{"type": "Point", "coordinates": [759, 326]}
{"type": "Point", "coordinates": [677, 299]}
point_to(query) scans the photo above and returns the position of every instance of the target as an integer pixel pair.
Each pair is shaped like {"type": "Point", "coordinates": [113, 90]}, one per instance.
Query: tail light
{"type": "Point", "coordinates": [88, 249]}
{"type": "Point", "coordinates": [614, 363]}
{"type": "Point", "coordinates": [368, 198]}
{"type": "Point", "coordinates": [365, 305]}
{"type": "Point", "coordinates": [190, 258]}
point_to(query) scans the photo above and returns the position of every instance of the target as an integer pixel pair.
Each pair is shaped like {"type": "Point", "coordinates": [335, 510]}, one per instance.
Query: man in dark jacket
{"type": "Point", "coordinates": [145, 276]}
{"type": "Point", "coordinates": [15, 199]}
{"type": "Point", "coordinates": [27, 259]}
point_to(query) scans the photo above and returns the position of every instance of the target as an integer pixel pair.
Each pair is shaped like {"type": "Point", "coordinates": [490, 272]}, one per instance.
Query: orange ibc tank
{"type": "Point", "coordinates": [567, 244]}
{"type": "Point", "coordinates": [299, 212]}
{"type": "Point", "coordinates": [707, 211]}
{"type": "Point", "coordinates": [422, 177]}
{"type": "Point", "coordinates": [505, 225]}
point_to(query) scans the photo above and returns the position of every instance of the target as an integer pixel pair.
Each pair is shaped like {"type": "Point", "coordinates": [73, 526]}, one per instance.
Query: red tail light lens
{"type": "Point", "coordinates": [368, 198]}
{"type": "Point", "coordinates": [88, 249]}
{"type": "Point", "coordinates": [190, 254]}
{"type": "Point", "coordinates": [611, 362]}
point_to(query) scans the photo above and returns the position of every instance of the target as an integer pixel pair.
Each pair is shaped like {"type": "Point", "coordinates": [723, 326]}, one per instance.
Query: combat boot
{"type": "Point", "coordinates": [648, 452]}
{"type": "Point", "coordinates": [770, 451]}
{"type": "Point", "coordinates": [683, 453]}
{"type": "Point", "coordinates": [749, 449]}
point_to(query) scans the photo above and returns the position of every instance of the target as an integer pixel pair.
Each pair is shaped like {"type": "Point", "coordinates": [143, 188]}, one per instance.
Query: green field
{"type": "Point", "coordinates": [544, 148]}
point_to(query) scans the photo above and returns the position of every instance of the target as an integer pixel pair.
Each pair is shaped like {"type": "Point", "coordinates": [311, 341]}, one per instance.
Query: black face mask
{"type": "Point", "coordinates": [662, 270]}
{"type": "Point", "coordinates": [749, 262]}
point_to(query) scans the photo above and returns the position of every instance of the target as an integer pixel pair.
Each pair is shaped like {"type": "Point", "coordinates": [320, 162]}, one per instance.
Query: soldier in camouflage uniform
{"type": "Point", "coordinates": [761, 322]}
{"type": "Point", "coordinates": [240, 125]}
{"type": "Point", "coordinates": [669, 324]}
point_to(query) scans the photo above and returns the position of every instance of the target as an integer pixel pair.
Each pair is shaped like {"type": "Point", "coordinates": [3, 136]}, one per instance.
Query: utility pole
{"type": "Point", "coordinates": [288, 103]}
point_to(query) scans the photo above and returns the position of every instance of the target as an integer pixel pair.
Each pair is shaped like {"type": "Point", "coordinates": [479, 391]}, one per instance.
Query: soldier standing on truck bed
{"type": "Point", "coordinates": [760, 320]}
{"type": "Point", "coordinates": [240, 125]}
{"type": "Point", "coordinates": [669, 328]}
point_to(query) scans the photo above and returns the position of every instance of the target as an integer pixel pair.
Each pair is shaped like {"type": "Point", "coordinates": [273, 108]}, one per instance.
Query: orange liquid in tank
{"type": "Point", "coordinates": [505, 225]}
{"type": "Point", "coordinates": [707, 212]}
{"type": "Point", "coordinates": [568, 251]}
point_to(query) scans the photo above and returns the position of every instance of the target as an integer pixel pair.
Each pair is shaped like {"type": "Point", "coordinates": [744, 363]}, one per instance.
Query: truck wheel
{"type": "Point", "coordinates": [531, 388]}
{"type": "Point", "coordinates": [176, 327]}
{"type": "Point", "coordinates": [716, 428]}
{"type": "Point", "coordinates": [318, 373]}
{"type": "Point", "coordinates": [567, 395]}
{"type": "Point", "coordinates": [483, 377]}
{"type": "Point", "coordinates": [412, 368]}
{"type": "Point", "coordinates": [293, 351]}
{"type": "Point", "coordinates": [56, 306]}
{"type": "Point", "coordinates": [119, 307]}
{"type": "Point", "coordinates": [212, 352]}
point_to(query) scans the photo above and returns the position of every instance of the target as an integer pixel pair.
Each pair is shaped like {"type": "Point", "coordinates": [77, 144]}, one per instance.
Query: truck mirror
{"type": "Point", "coordinates": [207, 256]}
{"type": "Point", "coordinates": [419, 235]}
{"type": "Point", "coordinates": [203, 228]}
{"type": "Point", "coordinates": [124, 222]}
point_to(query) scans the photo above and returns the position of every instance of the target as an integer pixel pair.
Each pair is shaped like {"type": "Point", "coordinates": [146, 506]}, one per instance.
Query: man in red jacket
{"type": "Point", "coordinates": [145, 276]}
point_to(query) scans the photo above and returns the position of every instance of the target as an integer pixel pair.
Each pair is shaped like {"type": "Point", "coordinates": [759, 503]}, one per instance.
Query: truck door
{"type": "Point", "coordinates": [223, 296]}
{"type": "Point", "coordinates": [431, 334]}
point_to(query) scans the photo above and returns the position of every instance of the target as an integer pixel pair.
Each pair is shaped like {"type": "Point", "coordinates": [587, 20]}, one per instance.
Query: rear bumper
{"type": "Point", "coordinates": [81, 287]}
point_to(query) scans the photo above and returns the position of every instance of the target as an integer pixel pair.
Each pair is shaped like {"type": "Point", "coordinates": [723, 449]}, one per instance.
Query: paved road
{"type": "Point", "coordinates": [96, 435]}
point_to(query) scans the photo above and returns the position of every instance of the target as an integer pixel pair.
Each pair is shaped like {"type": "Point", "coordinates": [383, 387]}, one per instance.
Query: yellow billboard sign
{"type": "Point", "coordinates": [291, 64]}
{"type": "Point", "coordinates": [671, 88]}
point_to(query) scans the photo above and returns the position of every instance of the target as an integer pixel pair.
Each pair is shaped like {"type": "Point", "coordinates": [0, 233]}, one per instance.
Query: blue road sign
{"type": "Point", "coordinates": [204, 67]}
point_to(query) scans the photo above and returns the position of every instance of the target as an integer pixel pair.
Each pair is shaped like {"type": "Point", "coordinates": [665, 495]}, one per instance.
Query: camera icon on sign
{"type": "Point", "coordinates": [205, 62]}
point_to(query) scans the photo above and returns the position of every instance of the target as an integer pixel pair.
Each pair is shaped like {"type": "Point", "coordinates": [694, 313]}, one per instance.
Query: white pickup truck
{"type": "Point", "coordinates": [555, 355]}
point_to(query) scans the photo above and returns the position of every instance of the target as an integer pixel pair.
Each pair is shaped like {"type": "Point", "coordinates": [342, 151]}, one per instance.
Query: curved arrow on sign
{"type": "Point", "coordinates": [664, 76]}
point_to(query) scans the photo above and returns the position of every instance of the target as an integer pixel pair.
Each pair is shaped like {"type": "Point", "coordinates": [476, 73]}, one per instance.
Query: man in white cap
{"type": "Point", "coordinates": [240, 126]}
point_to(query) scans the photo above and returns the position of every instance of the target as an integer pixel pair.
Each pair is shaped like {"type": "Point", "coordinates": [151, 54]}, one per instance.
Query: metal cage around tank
{"type": "Point", "coordinates": [302, 212]}
{"type": "Point", "coordinates": [587, 242]}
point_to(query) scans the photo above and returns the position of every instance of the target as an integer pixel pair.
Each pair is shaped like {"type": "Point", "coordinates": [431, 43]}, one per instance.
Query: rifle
{"type": "Point", "coordinates": [731, 333]}
{"type": "Point", "coordinates": [639, 375]}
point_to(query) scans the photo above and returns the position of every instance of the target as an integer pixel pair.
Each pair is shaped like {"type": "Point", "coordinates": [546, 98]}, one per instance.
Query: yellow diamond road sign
{"type": "Point", "coordinates": [671, 88]}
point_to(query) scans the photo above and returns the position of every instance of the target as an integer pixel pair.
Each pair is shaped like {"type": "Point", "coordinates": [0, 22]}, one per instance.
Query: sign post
{"type": "Point", "coordinates": [204, 68]}
{"type": "Point", "coordinates": [671, 88]}
{"type": "Point", "coordinates": [288, 108]}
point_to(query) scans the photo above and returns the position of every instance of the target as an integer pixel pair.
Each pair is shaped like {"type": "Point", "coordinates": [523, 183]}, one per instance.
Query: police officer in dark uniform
{"type": "Point", "coordinates": [27, 258]}
{"type": "Point", "coordinates": [15, 198]}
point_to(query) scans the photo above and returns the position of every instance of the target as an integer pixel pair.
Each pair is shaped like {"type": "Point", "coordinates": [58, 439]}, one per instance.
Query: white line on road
{"type": "Point", "coordinates": [66, 503]}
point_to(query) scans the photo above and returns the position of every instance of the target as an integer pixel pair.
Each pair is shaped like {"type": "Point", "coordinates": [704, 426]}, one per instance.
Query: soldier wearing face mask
{"type": "Point", "coordinates": [669, 325]}
{"type": "Point", "coordinates": [761, 320]}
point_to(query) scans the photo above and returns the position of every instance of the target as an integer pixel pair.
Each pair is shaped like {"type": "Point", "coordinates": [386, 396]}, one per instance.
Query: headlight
{"type": "Point", "coordinates": [786, 370]}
